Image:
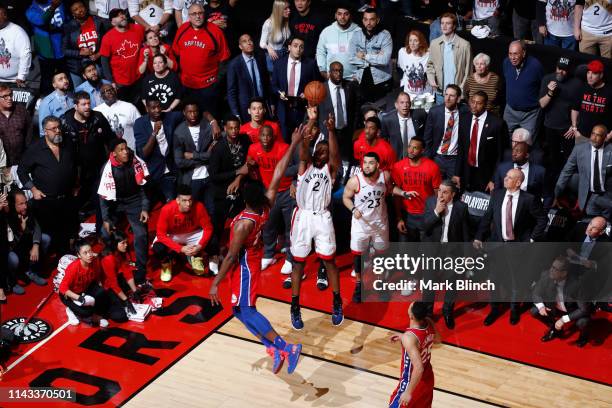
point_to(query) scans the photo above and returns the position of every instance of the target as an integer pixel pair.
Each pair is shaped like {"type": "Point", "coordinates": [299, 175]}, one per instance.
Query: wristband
{"type": "Point", "coordinates": [353, 209]}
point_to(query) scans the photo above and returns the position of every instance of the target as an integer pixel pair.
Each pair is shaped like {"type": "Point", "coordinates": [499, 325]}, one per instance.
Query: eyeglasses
{"type": "Point", "coordinates": [196, 13]}
{"type": "Point", "coordinates": [53, 129]}
{"type": "Point", "coordinates": [7, 96]}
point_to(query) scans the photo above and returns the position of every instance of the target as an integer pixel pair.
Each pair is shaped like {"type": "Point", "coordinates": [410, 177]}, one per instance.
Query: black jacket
{"type": "Point", "coordinates": [183, 143]}
{"type": "Point", "coordinates": [92, 147]}
{"type": "Point", "coordinates": [222, 169]}
{"type": "Point", "coordinates": [458, 227]}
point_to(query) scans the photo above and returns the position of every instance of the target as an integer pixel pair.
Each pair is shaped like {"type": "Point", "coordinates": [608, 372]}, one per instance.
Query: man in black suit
{"type": "Point", "coordinates": [513, 215]}
{"type": "Point", "coordinates": [480, 148]}
{"type": "Point", "coordinates": [290, 76]}
{"type": "Point", "coordinates": [592, 254]}
{"type": "Point", "coordinates": [534, 173]}
{"type": "Point", "coordinates": [401, 124]}
{"type": "Point", "coordinates": [446, 220]}
{"type": "Point", "coordinates": [341, 101]}
{"type": "Point", "coordinates": [247, 78]}
{"type": "Point", "coordinates": [442, 131]}
{"type": "Point", "coordinates": [556, 298]}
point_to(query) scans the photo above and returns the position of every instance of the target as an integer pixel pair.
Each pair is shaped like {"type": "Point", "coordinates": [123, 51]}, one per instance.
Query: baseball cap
{"type": "Point", "coordinates": [563, 63]}
{"type": "Point", "coordinates": [595, 66]}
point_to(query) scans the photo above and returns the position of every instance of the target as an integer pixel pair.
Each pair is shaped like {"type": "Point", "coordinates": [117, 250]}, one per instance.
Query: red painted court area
{"type": "Point", "coordinates": [107, 367]}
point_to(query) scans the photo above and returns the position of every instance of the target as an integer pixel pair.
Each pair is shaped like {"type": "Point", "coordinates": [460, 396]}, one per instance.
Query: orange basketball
{"type": "Point", "coordinates": [315, 93]}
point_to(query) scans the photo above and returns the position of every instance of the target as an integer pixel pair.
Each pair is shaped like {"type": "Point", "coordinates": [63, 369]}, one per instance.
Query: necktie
{"type": "Point", "coordinates": [292, 79]}
{"type": "Point", "coordinates": [340, 124]}
{"type": "Point", "coordinates": [405, 136]}
{"type": "Point", "coordinates": [473, 144]}
{"type": "Point", "coordinates": [253, 77]}
{"type": "Point", "coordinates": [596, 174]}
{"type": "Point", "coordinates": [509, 230]}
{"type": "Point", "coordinates": [448, 133]}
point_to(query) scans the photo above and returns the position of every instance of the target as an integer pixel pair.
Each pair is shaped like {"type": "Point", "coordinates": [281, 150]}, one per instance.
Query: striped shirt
{"type": "Point", "coordinates": [491, 88]}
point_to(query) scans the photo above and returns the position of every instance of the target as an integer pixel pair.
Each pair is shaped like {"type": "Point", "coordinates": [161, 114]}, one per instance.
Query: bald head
{"type": "Point", "coordinates": [513, 180]}
{"type": "Point", "coordinates": [516, 53]}
{"type": "Point", "coordinates": [596, 227]}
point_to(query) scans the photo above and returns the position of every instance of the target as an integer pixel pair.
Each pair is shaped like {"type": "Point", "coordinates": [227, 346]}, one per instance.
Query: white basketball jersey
{"type": "Point", "coordinates": [314, 189]}
{"type": "Point", "coordinates": [370, 199]}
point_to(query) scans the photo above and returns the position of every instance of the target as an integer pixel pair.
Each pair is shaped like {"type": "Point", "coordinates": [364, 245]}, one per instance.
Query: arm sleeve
{"type": "Point", "coordinates": [386, 48]}
{"type": "Point", "coordinates": [25, 56]}
{"type": "Point", "coordinates": [571, 167]}
{"type": "Point", "coordinates": [179, 151]}
{"type": "Point", "coordinates": [265, 32]}
{"type": "Point", "coordinates": [133, 7]}
{"type": "Point", "coordinates": [353, 48]}
{"type": "Point", "coordinates": [104, 210]}
{"type": "Point", "coordinates": [214, 167]}
{"type": "Point", "coordinates": [107, 73]}
{"type": "Point", "coordinates": [162, 232]}
{"type": "Point", "coordinates": [321, 54]}
{"type": "Point", "coordinates": [25, 168]}
{"type": "Point", "coordinates": [232, 89]}
{"type": "Point", "coordinates": [541, 12]}
{"type": "Point", "coordinates": [109, 272]}
{"type": "Point", "coordinates": [36, 232]}
{"type": "Point", "coordinates": [68, 277]}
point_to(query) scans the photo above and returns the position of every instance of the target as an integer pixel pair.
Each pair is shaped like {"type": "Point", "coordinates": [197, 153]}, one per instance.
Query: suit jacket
{"type": "Point", "coordinates": [600, 248]}
{"type": "Point", "coordinates": [156, 162]}
{"type": "Point", "coordinates": [529, 221]}
{"type": "Point", "coordinates": [183, 143]}
{"type": "Point", "coordinates": [545, 290]}
{"type": "Point", "coordinates": [580, 162]}
{"type": "Point", "coordinates": [458, 227]}
{"type": "Point", "coordinates": [222, 168]}
{"type": "Point", "coordinates": [490, 149]}
{"type": "Point", "coordinates": [390, 128]}
{"type": "Point", "coordinates": [535, 178]}
{"type": "Point", "coordinates": [352, 108]}
{"type": "Point", "coordinates": [308, 72]}
{"type": "Point", "coordinates": [240, 85]}
{"type": "Point", "coordinates": [436, 126]}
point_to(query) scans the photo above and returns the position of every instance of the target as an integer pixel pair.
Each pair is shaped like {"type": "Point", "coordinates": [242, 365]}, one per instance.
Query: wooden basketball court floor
{"type": "Point", "coordinates": [354, 365]}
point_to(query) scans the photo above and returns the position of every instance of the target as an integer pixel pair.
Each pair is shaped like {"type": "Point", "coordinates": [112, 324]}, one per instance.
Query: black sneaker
{"type": "Point", "coordinates": [296, 318]}
{"type": "Point", "coordinates": [287, 281]}
{"type": "Point", "coordinates": [322, 282]}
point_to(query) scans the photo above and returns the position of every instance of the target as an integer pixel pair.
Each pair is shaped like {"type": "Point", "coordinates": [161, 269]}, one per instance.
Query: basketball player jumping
{"type": "Point", "coordinates": [416, 383]}
{"type": "Point", "coordinates": [244, 261]}
{"type": "Point", "coordinates": [312, 219]}
{"type": "Point", "coordinates": [364, 196]}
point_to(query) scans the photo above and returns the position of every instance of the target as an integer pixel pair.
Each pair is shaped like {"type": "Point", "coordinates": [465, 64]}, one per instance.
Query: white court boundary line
{"type": "Point", "coordinates": [33, 349]}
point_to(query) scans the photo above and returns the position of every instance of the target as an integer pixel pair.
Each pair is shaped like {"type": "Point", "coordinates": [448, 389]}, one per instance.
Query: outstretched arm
{"type": "Point", "coordinates": [334, 152]}
{"type": "Point", "coordinates": [281, 166]}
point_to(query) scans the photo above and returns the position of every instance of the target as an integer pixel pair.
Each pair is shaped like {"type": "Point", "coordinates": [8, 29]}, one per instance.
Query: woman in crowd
{"type": "Point", "coordinates": [275, 32]}
{"type": "Point", "coordinates": [162, 84]}
{"type": "Point", "coordinates": [81, 289]}
{"type": "Point", "coordinates": [117, 268]}
{"type": "Point", "coordinates": [412, 61]}
{"type": "Point", "coordinates": [154, 46]}
{"type": "Point", "coordinates": [483, 80]}
{"type": "Point", "coordinates": [81, 40]}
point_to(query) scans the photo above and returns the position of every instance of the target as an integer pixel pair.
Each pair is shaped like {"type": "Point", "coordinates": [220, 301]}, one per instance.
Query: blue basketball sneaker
{"type": "Point", "coordinates": [292, 354]}
{"type": "Point", "coordinates": [278, 358]}
{"type": "Point", "coordinates": [296, 318]}
{"type": "Point", "coordinates": [337, 315]}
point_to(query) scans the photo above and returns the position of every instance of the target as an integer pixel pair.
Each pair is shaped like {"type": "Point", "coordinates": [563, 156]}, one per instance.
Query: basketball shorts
{"type": "Point", "coordinates": [309, 226]}
{"type": "Point", "coordinates": [244, 281]}
{"type": "Point", "coordinates": [363, 232]}
{"type": "Point", "coordinates": [422, 396]}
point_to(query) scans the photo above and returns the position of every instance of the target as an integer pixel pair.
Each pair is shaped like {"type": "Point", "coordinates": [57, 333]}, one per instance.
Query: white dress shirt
{"type": "Point", "coordinates": [481, 124]}
{"type": "Point", "coordinates": [298, 70]}
{"type": "Point", "coordinates": [525, 170]}
{"type": "Point", "coordinates": [409, 128]}
{"type": "Point", "coordinates": [445, 222]}
{"type": "Point", "coordinates": [600, 156]}
{"type": "Point", "coordinates": [515, 197]}
{"type": "Point", "coordinates": [200, 172]}
{"type": "Point", "coordinates": [452, 148]}
{"type": "Point", "coordinates": [333, 89]}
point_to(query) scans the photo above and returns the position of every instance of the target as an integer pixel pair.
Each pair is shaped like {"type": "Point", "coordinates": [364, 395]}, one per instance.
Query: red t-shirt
{"type": "Point", "coordinates": [267, 161]}
{"type": "Point", "coordinates": [253, 133]}
{"type": "Point", "coordinates": [195, 49]}
{"type": "Point", "coordinates": [169, 54]}
{"type": "Point", "coordinates": [171, 221]}
{"type": "Point", "coordinates": [381, 147]}
{"type": "Point", "coordinates": [112, 266]}
{"type": "Point", "coordinates": [123, 50]}
{"type": "Point", "coordinates": [89, 36]}
{"type": "Point", "coordinates": [78, 278]}
{"type": "Point", "coordinates": [423, 179]}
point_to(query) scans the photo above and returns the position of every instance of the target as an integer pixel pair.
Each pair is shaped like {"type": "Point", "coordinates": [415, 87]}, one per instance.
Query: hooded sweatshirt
{"type": "Point", "coordinates": [333, 46]}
